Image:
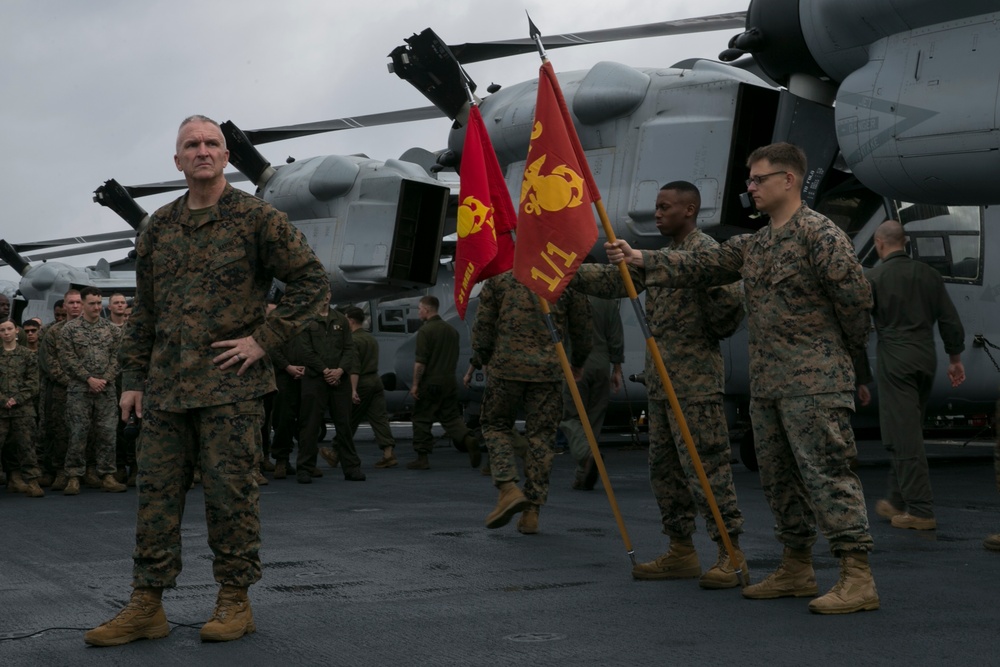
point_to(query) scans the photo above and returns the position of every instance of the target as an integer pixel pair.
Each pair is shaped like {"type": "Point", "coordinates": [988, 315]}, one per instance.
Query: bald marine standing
{"type": "Point", "coordinates": [195, 369]}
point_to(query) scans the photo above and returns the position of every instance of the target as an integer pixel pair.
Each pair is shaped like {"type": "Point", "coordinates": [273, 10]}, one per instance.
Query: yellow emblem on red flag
{"type": "Point", "coordinates": [555, 224]}
{"type": "Point", "coordinates": [485, 215]}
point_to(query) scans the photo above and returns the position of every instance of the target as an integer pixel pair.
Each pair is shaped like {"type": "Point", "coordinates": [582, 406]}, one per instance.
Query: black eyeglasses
{"type": "Point", "coordinates": [757, 180]}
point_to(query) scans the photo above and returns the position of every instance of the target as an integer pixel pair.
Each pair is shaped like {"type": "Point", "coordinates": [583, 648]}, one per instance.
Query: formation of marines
{"type": "Point", "coordinates": [199, 355]}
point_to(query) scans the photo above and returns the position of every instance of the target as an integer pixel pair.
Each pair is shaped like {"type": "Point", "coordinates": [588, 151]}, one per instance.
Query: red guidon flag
{"type": "Point", "coordinates": [555, 222]}
{"type": "Point", "coordinates": [485, 215]}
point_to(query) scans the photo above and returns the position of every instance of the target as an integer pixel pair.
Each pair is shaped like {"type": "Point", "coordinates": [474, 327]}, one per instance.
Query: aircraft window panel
{"type": "Point", "coordinates": [949, 238]}
{"type": "Point", "coordinates": [927, 247]}
{"type": "Point", "coordinates": [392, 321]}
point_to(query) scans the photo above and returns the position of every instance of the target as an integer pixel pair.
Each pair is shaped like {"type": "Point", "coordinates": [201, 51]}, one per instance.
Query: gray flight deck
{"type": "Point", "coordinates": [399, 570]}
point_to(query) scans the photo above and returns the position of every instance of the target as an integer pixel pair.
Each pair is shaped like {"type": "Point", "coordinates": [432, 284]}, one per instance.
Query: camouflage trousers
{"type": "Point", "coordinates": [542, 403]}
{"type": "Point", "coordinates": [672, 475]}
{"type": "Point", "coordinates": [88, 413]}
{"type": "Point", "coordinates": [223, 441]}
{"type": "Point", "coordinates": [804, 445]}
{"type": "Point", "coordinates": [372, 409]}
{"type": "Point", "coordinates": [18, 434]}
{"type": "Point", "coordinates": [437, 403]}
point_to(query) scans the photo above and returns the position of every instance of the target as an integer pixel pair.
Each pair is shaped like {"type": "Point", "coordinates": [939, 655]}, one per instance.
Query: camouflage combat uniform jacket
{"type": "Point", "coordinates": [48, 353]}
{"type": "Point", "coordinates": [686, 323]}
{"type": "Point", "coordinates": [201, 283]}
{"type": "Point", "coordinates": [18, 380]}
{"type": "Point", "coordinates": [510, 335]}
{"type": "Point", "coordinates": [807, 298]}
{"type": "Point", "coordinates": [89, 350]}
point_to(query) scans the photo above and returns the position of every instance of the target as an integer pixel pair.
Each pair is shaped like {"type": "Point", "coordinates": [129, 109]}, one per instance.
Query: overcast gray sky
{"type": "Point", "coordinates": [95, 90]}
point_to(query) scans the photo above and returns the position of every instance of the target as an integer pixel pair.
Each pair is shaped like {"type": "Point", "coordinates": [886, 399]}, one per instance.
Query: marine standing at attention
{"type": "Point", "coordinates": [194, 368]}
{"type": "Point", "coordinates": [809, 316]}
{"type": "Point", "coordinates": [687, 325]}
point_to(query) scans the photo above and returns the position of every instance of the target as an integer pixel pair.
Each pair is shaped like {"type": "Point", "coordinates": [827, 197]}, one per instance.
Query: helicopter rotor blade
{"type": "Point", "coordinates": [472, 52]}
{"type": "Point", "coordinates": [68, 252]}
{"type": "Point", "coordinates": [74, 240]}
{"type": "Point", "coordinates": [147, 189]}
{"type": "Point", "coordinates": [81, 250]}
{"type": "Point", "coordinates": [269, 134]}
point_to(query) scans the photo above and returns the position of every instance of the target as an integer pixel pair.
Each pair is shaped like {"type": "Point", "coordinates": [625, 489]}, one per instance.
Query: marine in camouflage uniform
{"type": "Point", "coordinates": [809, 317]}
{"type": "Point", "coordinates": [195, 367]}
{"type": "Point", "coordinates": [510, 337]}
{"type": "Point", "coordinates": [88, 350]}
{"type": "Point", "coordinates": [18, 389]}
{"type": "Point", "coordinates": [54, 430]}
{"type": "Point", "coordinates": [809, 305]}
{"type": "Point", "coordinates": [687, 325]}
{"type": "Point", "coordinates": [200, 277]}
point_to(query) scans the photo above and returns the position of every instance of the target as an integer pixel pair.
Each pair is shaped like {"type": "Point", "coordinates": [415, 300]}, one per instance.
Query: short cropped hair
{"type": "Point", "coordinates": [90, 291]}
{"type": "Point", "coordinates": [687, 188]}
{"type": "Point", "coordinates": [782, 154]}
{"type": "Point", "coordinates": [355, 314]}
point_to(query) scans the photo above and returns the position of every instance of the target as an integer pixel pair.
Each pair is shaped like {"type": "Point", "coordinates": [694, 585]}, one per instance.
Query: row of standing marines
{"type": "Point", "coordinates": [195, 365]}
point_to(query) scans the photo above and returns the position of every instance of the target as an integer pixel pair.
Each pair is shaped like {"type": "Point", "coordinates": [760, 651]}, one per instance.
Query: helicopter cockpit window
{"type": "Point", "coordinates": [949, 238]}
{"type": "Point", "coordinates": [392, 320]}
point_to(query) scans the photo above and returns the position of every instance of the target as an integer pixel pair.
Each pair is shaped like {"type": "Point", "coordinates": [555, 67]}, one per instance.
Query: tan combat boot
{"type": "Point", "coordinates": [90, 478]}
{"type": "Point", "coordinates": [15, 483]}
{"type": "Point", "coordinates": [528, 523]}
{"type": "Point", "coordinates": [510, 502]}
{"type": "Point", "coordinates": [420, 463]}
{"type": "Point", "coordinates": [232, 617]}
{"type": "Point", "coordinates": [33, 490]}
{"type": "Point", "coordinates": [142, 618]}
{"type": "Point", "coordinates": [793, 578]}
{"type": "Point", "coordinates": [723, 574]}
{"type": "Point", "coordinates": [329, 456]}
{"type": "Point", "coordinates": [59, 483]}
{"type": "Point", "coordinates": [111, 485]}
{"type": "Point", "coordinates": [855, 591]}
{"type": "Point", "coordinates": [72, 487]}
{"type": "Point", "coordinates": [992, 542]}
{"type": "Point", "coordinates": [680, 562]}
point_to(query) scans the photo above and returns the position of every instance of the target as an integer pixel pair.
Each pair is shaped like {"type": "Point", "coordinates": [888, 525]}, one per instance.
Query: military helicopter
{"type": "Point", "coordinates": [885, 149]}
{"type": "Point", "coordinates": [879, 94]}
